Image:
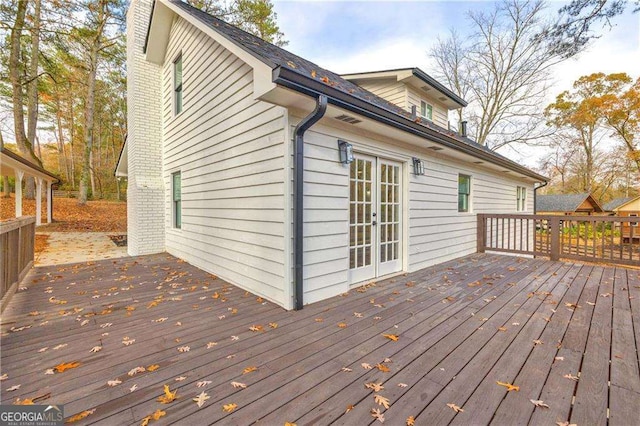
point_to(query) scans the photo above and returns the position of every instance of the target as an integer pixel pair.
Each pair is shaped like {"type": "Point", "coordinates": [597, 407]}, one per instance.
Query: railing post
{"type": "Point", "coordinates": [554, 252]}
{"type": "Point", "coordinates": [481, 238]}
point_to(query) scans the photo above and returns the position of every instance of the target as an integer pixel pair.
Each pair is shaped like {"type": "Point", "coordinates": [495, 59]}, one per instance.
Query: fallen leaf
{"type": "Point", "coordinates": [349, 408]}
{"type": "Point", "coordinates": [454, 407]}
{"type": "Point", "coordinates": [158, 413]}
{"type": "Point", "coordinates": [256, 328]}
{"type": "Point", "coordinates": [26, 401]}
{"type": "Point", "coordinates": [235, 338]}
{"type": "Point", "coordinates": [342, 325]}
{"type": "Point", "coordinates": [49, 371]}
{"type": "Point", "coordinates": [5, 376]}
{"type": "Point", "coordinates": [402, 385]}
{"type": "Point", "coordinates": [66, 366]}
{"type": "Point", "coordinates": [229, 407]}
{"type": "Point", "coordinates": [201, 399]}
{"type": "Point", "coordinates": [539, 403]}
{"type": "Point", "coordinates": [289, 424]}
{"type": "Point", "coordinates": [411, 421]}
{"type": "Point", "coordinates": [358, 315]}
{"type": "Point", "coordinates": [135, 371]}
{"type": "Point", "coordinates": [346, 369]}
{"type": "Point", "coordinates": [502, 328]}
{"type": "Point", "coordinates": [376, 414]}
{"type": "Point", "coordinates": [211, 344]}
{"type": "Point", "coordinates": [184, 349]}
{"type": "Point", "coordinates": [133, 388]}
{"type": "Point", "coordinates": [509, 386]}
{"type": "Point", "coordinates": [570, 377]}
{"type": "Point", "coordinates": [238, 385]}
{"type": "Point", "coordinates": [382, 367]}
{"type": "Point", "coordinates": [319, 320]}
{"type": "Point", "coordinates": [179, 379]}
{"type": "Point", "coordinates": [80, 416]}
{"type": "Point", "coordinates": [559, 358]}
{"type": "Point", "coordinates": [537, 342]}
{"type": "Point", "coordinates": [114, 382]}
{"type": "Point", "coordinates": [203, 383]}
{"type": "Point", "coordinates": [168, 395]}
{"type": "Point", "coordinates": [96, 349]}
{"type": "Point", "coordinates": [391, 337]}
{"type": "Point", "coordinates": [13, 388]}
{"type": "Point", "coordinates": [565, 424]}
{"type": "Point", "coordinates": [153, 367]}
{"type": "Point", "coordinates": [377, 387]}
{"type": "Point", "coordinates": [381, 400]}
{"type": "Point", "coordinates": [366, 366]}
{"type": "Point", "coordinates": [248, 370]}
{"type": "Point", "coordinates": [273, 324]}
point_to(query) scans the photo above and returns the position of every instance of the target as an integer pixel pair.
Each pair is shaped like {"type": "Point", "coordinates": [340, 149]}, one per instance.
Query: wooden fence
{"type": "Point", "coordinates": [17, 243]}
{"type": "Point", "coordinates": [607, 239]}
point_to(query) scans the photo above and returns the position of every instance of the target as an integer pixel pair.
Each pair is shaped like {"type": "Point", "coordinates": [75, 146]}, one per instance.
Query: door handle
{"type": "Point", "coordinates": [374, 223]}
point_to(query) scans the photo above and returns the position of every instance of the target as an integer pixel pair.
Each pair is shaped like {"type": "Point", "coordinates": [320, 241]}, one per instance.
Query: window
{"type": "Point", "coordinates": [521, 199]}
{"type": "Point", "coordinates": [177, 199]}
{"type": "Point", "coordinates": [426, 110]}
{"type": "Point", "coordinates": [464, 190]}
{"type": "Point", "coordinates": [634, 224]}
{"type": "Point", "coordinates": [177, 85]}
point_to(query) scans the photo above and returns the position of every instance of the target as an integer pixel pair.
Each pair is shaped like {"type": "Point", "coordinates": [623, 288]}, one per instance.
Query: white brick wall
{"type": "Point", "coordinates": [145, 205]}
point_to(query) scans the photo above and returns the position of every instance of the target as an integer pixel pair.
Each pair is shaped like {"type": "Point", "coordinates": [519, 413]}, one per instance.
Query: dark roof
{"type": "Point", "coordinates": [615, 203]}
{"type": "Point", "coordinates": [563, 202]}
{"type": "Point", "coordinates": [422, 76]}
{"type": "Point", "coordinates": [27, 163]}
{"type": "Point", "coordinates": [306, 77]}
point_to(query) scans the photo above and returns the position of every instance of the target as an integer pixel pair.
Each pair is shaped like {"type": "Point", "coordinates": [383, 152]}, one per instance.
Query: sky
{"type": "Point", "coordinates": [354, 36]}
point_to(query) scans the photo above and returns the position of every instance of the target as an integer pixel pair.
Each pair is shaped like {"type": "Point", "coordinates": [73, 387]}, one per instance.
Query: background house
{"type": "Point", "coordinates": [567, 204]}
{"type": "Point", "coordinates": [289, 180]}
{"type": "Point", "coordinates": [627, 207]}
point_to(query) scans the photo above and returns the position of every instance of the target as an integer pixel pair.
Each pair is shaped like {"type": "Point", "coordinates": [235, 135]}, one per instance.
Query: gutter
{"type": "Point", "coordinates": [535, 194]}
{"type": "Point", "coordinates": [298, 195]}
{"type": "Point", "coordinates": [312, 87]}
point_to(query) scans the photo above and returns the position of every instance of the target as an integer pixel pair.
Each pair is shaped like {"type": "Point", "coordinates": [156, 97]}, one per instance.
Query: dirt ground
{"type": "Point", "coordinates": [68, 216]}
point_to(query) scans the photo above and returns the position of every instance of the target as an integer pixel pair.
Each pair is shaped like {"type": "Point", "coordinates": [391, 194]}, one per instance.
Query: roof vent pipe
{"type": "Point", "coordinates": [463, 129]}
{"type": "Point", "coordinates": [298, 195]}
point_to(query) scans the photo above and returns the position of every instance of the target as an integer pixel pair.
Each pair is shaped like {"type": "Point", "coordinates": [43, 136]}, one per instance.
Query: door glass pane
{"type": "Point", "coordinates": [360, 257]}
{"type": "Point", "coordinates": [383, 173]}
{"type": "Point", "coordinates": [352, 258]}
{"type": "Point", "coordinates": [352, 213]}
{"type": "Point", "coordinates": [367, 255]}
{"type": "Point", "coordinates": [383, 252]}
{"type": "Point", "coordinates": [360, 213]}
{"type": "Point", "coordinates": [360, 191]}
{"type": "Point", "coordinates": [367, 192]}
{"type": "Point", "coordinates": [352, 236]}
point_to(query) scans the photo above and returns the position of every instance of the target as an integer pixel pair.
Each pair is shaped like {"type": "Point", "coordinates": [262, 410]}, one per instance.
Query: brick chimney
{"type": "Point", "coordinates": [145, 190]}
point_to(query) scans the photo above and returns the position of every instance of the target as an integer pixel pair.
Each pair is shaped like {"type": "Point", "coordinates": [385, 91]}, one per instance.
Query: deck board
{"type": "Point", "coordinates": [451, 348]}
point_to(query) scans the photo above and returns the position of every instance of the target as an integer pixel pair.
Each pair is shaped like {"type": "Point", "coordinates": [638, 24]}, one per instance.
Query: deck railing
{"type": "Point", "coordinates": [609, 239]}
{"type": "Point", "coordinates": [17, 243]}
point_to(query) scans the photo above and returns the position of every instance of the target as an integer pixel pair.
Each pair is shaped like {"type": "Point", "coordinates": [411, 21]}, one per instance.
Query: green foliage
{"type": "Point", "coordinates": [253, 16]}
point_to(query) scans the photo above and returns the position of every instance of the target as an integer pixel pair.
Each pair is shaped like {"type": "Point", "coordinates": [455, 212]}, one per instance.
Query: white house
{"type": "Point", "coordinates": [236, 163]}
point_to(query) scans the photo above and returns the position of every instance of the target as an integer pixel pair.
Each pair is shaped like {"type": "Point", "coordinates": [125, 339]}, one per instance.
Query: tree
{"type": "Point", "coordinates": [580, 112]}
{"type": "Point", "coordinates": [573, 30]}
{"type": "Point", "coordinates": [253, 16]}
{"type": "Point", "coordinates": [621, 110]}
{"type": "Point", "coordinates": [506, 68]}
{"type": "Point", "coordinates": [94, 41]}
{"type": "Point", "coordinates": [16, 66]}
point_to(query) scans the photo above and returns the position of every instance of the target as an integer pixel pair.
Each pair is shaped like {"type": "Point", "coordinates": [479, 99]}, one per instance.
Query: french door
{"type": "Point", "coordinates": [375, 218]}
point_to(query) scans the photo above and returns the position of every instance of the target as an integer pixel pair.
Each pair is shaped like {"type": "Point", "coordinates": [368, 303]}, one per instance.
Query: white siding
{"type": "Point", "coordinates": [389, 89]}
{"type": "Point", "coordinates": [437, 232]}
{"type": "Point", "coordinates": [230, 151]}
{"type": "Point", "coordinates": [440, 112]}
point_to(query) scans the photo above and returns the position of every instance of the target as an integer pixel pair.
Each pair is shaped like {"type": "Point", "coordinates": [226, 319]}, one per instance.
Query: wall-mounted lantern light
{"type": "Point", "coordinates": [418, 167]}
{"type": "Point", "coordinates": [346, 152]}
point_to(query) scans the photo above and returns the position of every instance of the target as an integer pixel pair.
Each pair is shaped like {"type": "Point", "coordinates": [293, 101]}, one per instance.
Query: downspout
{"type": "Point", "coordinates": [535, 194]}
{"type": "Point", "coordinates": [298, 194]}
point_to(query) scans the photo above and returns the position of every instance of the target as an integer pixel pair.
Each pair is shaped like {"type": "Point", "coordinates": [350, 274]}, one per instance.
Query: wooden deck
{"type": "Point", "coordinates": [462, 327]}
